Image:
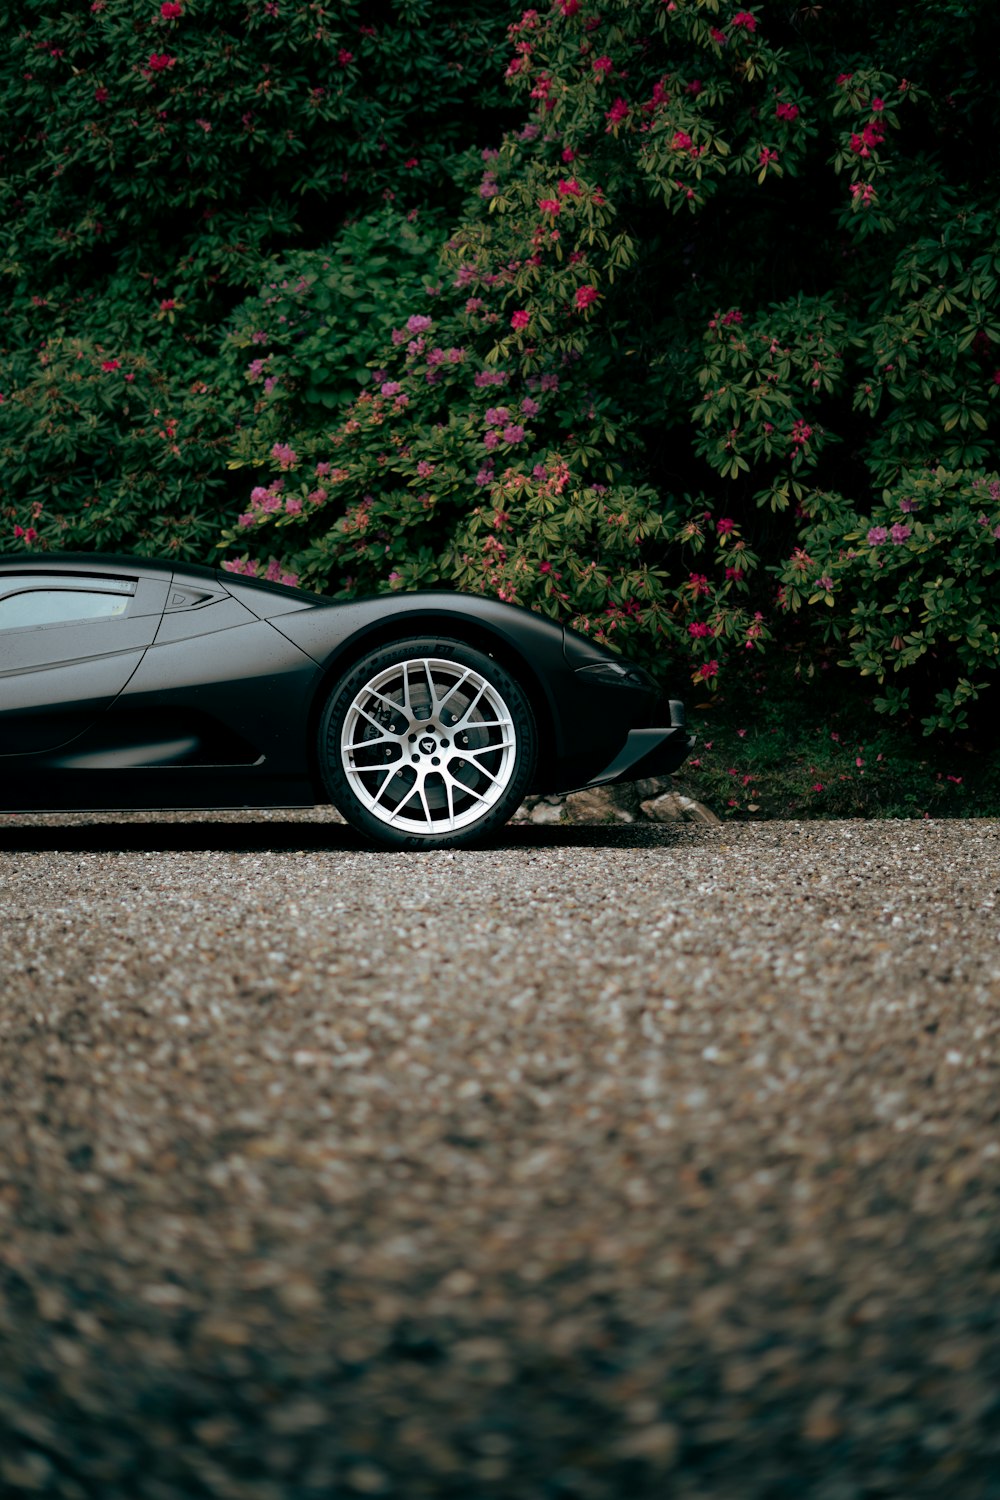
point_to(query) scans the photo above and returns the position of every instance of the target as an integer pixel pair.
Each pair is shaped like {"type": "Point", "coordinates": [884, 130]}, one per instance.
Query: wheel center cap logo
{"type": "Point", "coordinates": [427, 745]}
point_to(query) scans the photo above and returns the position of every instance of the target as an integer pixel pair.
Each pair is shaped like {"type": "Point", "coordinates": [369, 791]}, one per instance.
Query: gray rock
{"type": "Point", "coordinates": [602, 804]}
{"type": "Point", "coordinates": [674, 807]}
{"type": "Point", "coordinates": [546, 812]}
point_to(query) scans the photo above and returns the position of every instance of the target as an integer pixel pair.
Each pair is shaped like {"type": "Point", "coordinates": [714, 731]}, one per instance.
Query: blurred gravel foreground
{"type": "Point", "coordinates": [600, 1164]}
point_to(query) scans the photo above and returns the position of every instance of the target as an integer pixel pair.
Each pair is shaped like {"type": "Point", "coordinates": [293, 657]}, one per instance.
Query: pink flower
{"type": "Point", "coordinates": [293, 505]}
{"type": "Point", "coordinates": [550, 206]}
{"type": "Point", "coordinates": [425, 469]}
{"type": "Point", "coordinates": [549, 383]}
{"type": "Point", "coordinates": [698, 584]}
{"type": "Point", "coordinates": [787, 111]}
{"type": "Point", "coordinates": [110, 364]}
{"type": "Point", "coordinates": [817, 786]}
{"type": "Point", "coordinates": [514, 433]}
{"type": "Point", "coordinates": [801, 432]}
{"type": "Point", "coordinates": [100, 94]}
{"type": "Point", "coordinates": [158, 61]}
{"type": "Point", "coordinates": [585, 295]}
{"type": "Point", "coordinates": [567, 186]}
{"type": "Point", "coordinates": [876, 534]}
{"type": "Point", "coordinates": [418, 323]}
{"type": "Point", "coordinates": [344, 57]}
{"type": "Point", "coordinates": [767, 156]}
{"type": "Point", "coordinates": [168, 304]}
{"type": "Point", "coordinates": [496, 416]}
{"type": "Point", "coordinates": [170, 10]}
{"type": "Point", "coordinates": [602, 66]}
{"type": "Point", "coordinates": [520, 319]}
{"type": "Point", "coordinates": [390, 388]}
{"type": "Point", "coordinates": [284, 456]}
{"type": "Point", "coordinates": [619, 111]}
{"type": "Point", "coordinates": [681, 141]}
{"type": "Point", "coordinates": [699, 629]}
{"type": "Point", "coordinates": [530, 408]}
{"type": "Point", "coordinates": [725, 526]}
{"type": "Point", "coordinates": [899, 532]}
{"type": "Point", "coordinates": [745, 19]}
{"type": "Point", "coordinates": [707, 670]}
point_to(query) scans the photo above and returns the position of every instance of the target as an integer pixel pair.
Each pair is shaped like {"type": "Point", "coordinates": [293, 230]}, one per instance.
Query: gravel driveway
{"type": "Point", "coordinates": [628, 1162]}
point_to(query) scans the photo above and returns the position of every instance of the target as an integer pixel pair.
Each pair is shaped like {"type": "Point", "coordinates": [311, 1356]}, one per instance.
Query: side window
{"type": "Point", "coordinates": [57, 601]}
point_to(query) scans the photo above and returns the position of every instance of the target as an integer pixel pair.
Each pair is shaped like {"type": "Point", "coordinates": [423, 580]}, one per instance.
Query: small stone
{"type": "Point", "coordinates": [545, 813]}
{"type": "Point", "coordinates": [822, 1423]}
{"type": "Point", "coordinates": [366, 1479]}
{"type": "Point", "coordinates": [657, 1444]}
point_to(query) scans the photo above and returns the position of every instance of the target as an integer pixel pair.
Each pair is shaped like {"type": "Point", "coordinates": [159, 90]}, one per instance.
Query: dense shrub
{"type": "Point", "coordinates": [728, 296]}
{"type": "Point", "coordinates": [156, 162]}
{"type": "Point", "coordinates": [711, 351]}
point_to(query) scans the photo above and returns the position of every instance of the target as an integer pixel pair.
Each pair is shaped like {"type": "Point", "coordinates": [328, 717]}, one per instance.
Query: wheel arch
{"type": "Point", "coordinates": [470, 632]}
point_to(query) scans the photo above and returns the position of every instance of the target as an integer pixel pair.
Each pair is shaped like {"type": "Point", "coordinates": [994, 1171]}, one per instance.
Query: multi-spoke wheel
{"type": "Point", "coordinates": [427, 743]}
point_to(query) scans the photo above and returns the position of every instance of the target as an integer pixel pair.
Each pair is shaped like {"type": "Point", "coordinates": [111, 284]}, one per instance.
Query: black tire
{"type": "Point", "coordinates": [427, 744]}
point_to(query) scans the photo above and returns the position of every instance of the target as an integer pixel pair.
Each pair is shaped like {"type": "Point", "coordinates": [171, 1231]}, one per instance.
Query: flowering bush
{"type": "Point", "coordinates": [729, 275]}
{"type": "Point", "coordinates": [156, 158]}
{"type": "Point", "coordinates": [920, 574]}
{"type": "Point", "coordinates": [104, 448]}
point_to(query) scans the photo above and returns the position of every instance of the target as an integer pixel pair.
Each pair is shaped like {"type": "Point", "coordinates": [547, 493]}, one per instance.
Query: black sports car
{"type": "Point", "coordinates": [425, 717]}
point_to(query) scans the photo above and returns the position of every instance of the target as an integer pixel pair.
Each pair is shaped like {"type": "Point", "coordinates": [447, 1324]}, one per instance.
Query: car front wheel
{"type": "Point", "coordinates": [427, 743]}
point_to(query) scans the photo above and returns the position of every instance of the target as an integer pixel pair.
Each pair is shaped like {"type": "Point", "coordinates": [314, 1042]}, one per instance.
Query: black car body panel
{"type": "Point", "coordinates": [193, 688]}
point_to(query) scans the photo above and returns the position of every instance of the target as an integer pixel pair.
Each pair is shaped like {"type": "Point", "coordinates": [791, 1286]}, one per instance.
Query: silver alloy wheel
{"type": "Point", "coordinates": [428, 746]}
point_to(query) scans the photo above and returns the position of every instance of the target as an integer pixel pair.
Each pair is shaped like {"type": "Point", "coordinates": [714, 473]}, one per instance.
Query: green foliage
{"type": "Point", "coordinates": [321, 312]}
{"type": "Point", "coordinates": [798, 739]}
{"type": "Point", "coordinates": [921, 574]}
{"type": "Point", "coordinates": [156, 162]}
{"type": "Point", "coordinates": [132, 126]}
{"type": "Point", "coordinates": [719, 310]}
{"type": "Point", "coordinates": [105, 450]}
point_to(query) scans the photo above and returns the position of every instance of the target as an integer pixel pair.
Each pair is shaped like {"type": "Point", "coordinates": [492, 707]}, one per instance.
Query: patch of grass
{"type": "Point", "coordinates": [775, 744]}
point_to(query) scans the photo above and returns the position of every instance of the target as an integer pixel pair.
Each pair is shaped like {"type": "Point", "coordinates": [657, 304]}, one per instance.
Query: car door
{"type": "Point", "coordinates": [69, 642]}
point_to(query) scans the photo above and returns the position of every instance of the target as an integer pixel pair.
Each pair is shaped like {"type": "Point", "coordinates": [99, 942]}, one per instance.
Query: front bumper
{"type": "Point", "coordinates": [650, 752]}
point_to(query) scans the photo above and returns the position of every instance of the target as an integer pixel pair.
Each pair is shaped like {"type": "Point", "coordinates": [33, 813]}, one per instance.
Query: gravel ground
{"type": "Point", "coordinates": [629, 1162]}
